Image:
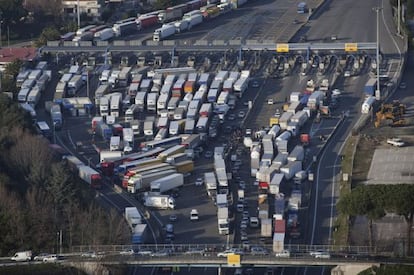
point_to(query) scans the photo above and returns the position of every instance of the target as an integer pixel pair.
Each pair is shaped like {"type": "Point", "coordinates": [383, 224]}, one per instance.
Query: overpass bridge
{"type": "Point", "coordinates": [206, 46]}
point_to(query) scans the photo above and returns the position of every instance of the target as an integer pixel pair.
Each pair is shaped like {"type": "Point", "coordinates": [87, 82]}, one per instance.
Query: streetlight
{"type": "Point", "coordinates": [1, 22]}
{"type": "Point", "coordinates": [399, 17]}
{"type": "Point", "coordinates": [378, 92]}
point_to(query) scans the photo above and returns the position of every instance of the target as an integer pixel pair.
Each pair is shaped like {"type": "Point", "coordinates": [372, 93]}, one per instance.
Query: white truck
{"type": "Point", "coordinates": [115, 143]}
{"type": "Point", "coordinates": [291, 168]}
{"type": "Point", "coordinates": [164, 32]}
{"type": "Point", "coordinates": [167, 183]}
{"type": "Point", "coordinates": [211, 183]}
{"type": "Point", "coordinates": [133, 217]}
{"type": "Point", "coordinates": [149, 128]}
{"type": "Point", "coordinates": [194, 20]}
{"type": "Point", "coordinates": [74, 84]}
{"type": "Point", "coordinates": [152, 102]}
{"type": "Point", "coordinates": [223, 221]}
{"type": "Point", "coordinates": [115, 104]}
{"type": "Point", "coordinates": [143, 181]}
{"type": "Point", "coordinates": [159, 201]}
{"type": "Point", "coordinates": [221, 200]}
{"type": "Point", "coordinates": [22, 256]}
{"type": "Point", "coordinates": [34, 96]}
{"type": "Point", "coordinates": [104, 35]}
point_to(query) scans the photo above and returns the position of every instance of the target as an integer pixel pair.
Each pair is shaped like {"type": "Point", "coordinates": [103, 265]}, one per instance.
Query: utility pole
{"type": "Point", "coordinates": [378, 92]}
{"type": "Point", "coordinates": [399, 17]}
{"type": "Point", "coordinates": [78, 11]}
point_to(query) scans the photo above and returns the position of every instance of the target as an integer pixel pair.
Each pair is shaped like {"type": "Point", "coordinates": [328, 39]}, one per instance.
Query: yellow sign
{"type": "Point", "coordinates": [351, 47]}
{"type": "Point", "coordinates": [233, 260]}
{"type": "Point", "coordinates": [282, 48]}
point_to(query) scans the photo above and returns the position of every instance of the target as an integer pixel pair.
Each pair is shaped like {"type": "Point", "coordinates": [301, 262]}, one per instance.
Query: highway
{"type": "Point", "coordinates": [336, 19]}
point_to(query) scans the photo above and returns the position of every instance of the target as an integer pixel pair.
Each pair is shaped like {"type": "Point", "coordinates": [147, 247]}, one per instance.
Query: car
{"type": "Point", "coordinates": [230, 251]}
{"type": "Point", "coordinates": [257, 250]}
{"type": "Point", "coordinates": [208, 154]}
{"type": "Point", "coordinates": [397, 142]}
{"type": "Point", "coordinates": [51, 258]}
{"type": "Point", "coordinates": [144, 252]}
{"type": "Point", "coordinates": [255, 84]}
{"type": "Point", "coordinates": [241, 114]}
{"type": "Point", "coordinates": [194, 215]}
{"type": "Point", "coordinates": [195, 251]}
{"type": "Point", "coordinates": [246, 103]}
{"type": "Point", "coordinates": [270, 101]}
{"type": "Point", "coordinates": [248, 132]}
{"type": "Point", "coordinates": [242, 185]}
{"type": "Point", "coordinates": [228, 129]}
{"type": "Point", "coordinates": [127, 252]}
{"type": "Point", "coordinates": [89, 254]}
{"type": "Point", "coordinates": [173, 218]}
{"type": "Point", "coordinates": [320, 254]}
{"type": "Point", "coordinates": [243, 225]}
{"type": "Point", "coordinates": [403, 85]}
{"type": "Point", "coordinates": [238, 162]}
{"type": "Point", "coordinates": [244, 237]}
{"type": "Point", "coordinates": [199, 181]}
{"type": "Point", "coordinates": [161, 253]}
{"type": "Point", "coordinates": [283, 254]}
{"type": "Point", "coordinates": [231, 117]}
{"type": "Point", "coordinates": [277, 113]}
{"type": "Point", "coordinates": [347, 73]}
{"type": "Point", "coordinates": [40, 256]}
{"type": "Point", "coordinates": [336, 92]}
{"type": "Point", "coordinates": [170, 236]}
{"type": "Point", "coordinates": [169, 228]}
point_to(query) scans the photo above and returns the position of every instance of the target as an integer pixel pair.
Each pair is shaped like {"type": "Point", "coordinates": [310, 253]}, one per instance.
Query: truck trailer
{"type": "Point", "coordinates": [167, 183]}
{"type": "Point", "coordinates": [159, 201]}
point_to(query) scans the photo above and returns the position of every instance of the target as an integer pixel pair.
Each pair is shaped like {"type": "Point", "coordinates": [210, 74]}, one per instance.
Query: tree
{"type": "Point", "coordinates": [13, 68]}
{"type": "Point", "coordinates": [48, 34]}
{"type": "Point", "coordinates": [11, 11]}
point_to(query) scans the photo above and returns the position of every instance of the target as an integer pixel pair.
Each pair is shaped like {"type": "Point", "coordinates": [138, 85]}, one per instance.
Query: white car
{"type": "Point", "coordinates": [336, 92]}
{"type": "Point", "coordinates": [194, 215]}
{"type": "Point", "coordinates": [50, 258]}
{"type": "Point", "coordinates": [283, 254]}
{"type": "Point", "coordinates": [127, 252]}
{"type": "Point", "coordinates": [41, 256]}
{"type": "Point", "coordinates": [397, 142]}
{"type": "Point", "coordinates": [230, 252]}
{"type": "Point", "coordinates": [270, 101]}
{"type": "Point", "coordinates": [320, 254]}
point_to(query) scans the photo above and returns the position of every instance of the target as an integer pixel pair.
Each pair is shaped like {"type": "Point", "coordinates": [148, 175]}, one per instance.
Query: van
{"type": "Point", "coordinates": [194, 215]}
{"type": "Point", "coordinates": [22, 256]}
{"type": "Point", "coordinates": [169, 228]}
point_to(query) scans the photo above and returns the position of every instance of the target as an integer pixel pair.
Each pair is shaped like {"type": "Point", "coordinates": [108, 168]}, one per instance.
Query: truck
{"type": "Point", "coordinates": [22, 256]}
{"type": "Point", "coordinates": [167, 183]}
{"type": "Point", "coordinates": [315, 100]}
{"type": "Point", "coordinates": [159, 201]}
{"type": "Point", "coordinates": [291, 168]}
{"type": "Point", "coordinates": [115, 104]}
{"type": "Point", "coordinates": [149, 128]}
{"type": "Point", "coordinates": [89, 175]}
{"type": "Point", "coordinates": [284, 120]}
{"type": "Point", "coordinates": [297, 154]}
{"type": "Point", "coordinates": [294, 107]}
{"type": "Point", "coordinates": [367, 104]}
{"type": "Point", "coordinates": [148, 20]}
{"type": "Point", "coordinates": [115, 143]}
{"type": "Point", "coordinates": [124, 76]}
{"type": "Point", "coordinates": [164, 32]}
{"type": "Point", "coordinates": [189, 126]}
{"type": "Point", "coordinates": [205, 110]}
{"type": "Point", "coordinates": [104, 106]}
{"type": "Point", "coordinates": [194, 20]}
{"type": "Point", "coordinates": [221, 200]}
{"type": "Point", "coordinates": [140, 100]}
{"type": "Point", "coordinates": [300, 118]}
{"type": "Point", "coordinates": [104, 35]}
{"type": "Point", "coordinates": [133, 217]}
{"type": "Point", "coordinates": [223, 221]}
{"type": "Point", "coordinates": [211, 183]}
{"type": "Point", "coordinates": [152, 102]}
{"type": "Point", "coordinates": [370, 87]}
{"type": "Point", "coordinates": [56, 115]}
{"type": "Point", "coordinates": [74, 84]}
{"type": "Point", "coordinates": [141, 182]}
{"type": "Point", "coordinates": [126, 28]}
{"type": "Point", "coordinates": [33, 96]}
{"type": "Point", "coordinates": [140, 234]}
{"type": "Point", "coordinates": [242, 83]}
{"type": "Point", "coordinates": [266, 227]}
{"type": "Point", "coordinates": [240, 195]}
{"type": "Point", "coordinates": [275, 183]}
{"type": "Point", "coordinates": [176, 127]}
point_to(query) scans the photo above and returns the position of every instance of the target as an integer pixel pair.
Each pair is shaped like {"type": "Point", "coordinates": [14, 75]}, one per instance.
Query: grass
{"type": "Point", "coordinates": [341, 224]}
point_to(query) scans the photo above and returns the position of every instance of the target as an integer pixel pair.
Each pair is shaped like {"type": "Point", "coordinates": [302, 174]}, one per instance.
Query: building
{"type": "Point", "coordinates": [8, 55]}
{"type": "Point", "coordinates": [93, 8]}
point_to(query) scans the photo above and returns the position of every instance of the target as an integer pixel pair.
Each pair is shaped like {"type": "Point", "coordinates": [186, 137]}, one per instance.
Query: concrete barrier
{"type": "Point", "coordinates": [135, 42]}
{"type": "Point", "coordinates": [201, 43]}
{"type": "Point", "coordinates": [218, 42]}
{"type": "Point", "coordinates": [119, 43]}
{"type": "Point", "coordinates": [53, 43]}
{"type": "Point", "coordinates": [85, 43]}
{"type": "Point", "coordinates": [102, 43]}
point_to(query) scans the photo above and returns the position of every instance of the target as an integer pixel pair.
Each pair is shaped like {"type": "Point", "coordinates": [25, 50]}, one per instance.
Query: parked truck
{"type": "Point", "coordinates": [266, 227]}
{"type": "Point", "coordinates": [56, 115]}
{"type": "Point", "coordinates": [74, 84]}
{"type": "Point", "coordinates": [291, 168]}
{"type": "Point", "coordinates": [133, 217]}
{"type": "Point", "coordinates": [370, 87]}
{"type": "Point", "coordinates": [223, 221]}
{"type": "Point", "coordinates": [167, 183]}
{"type": "Point", "coordinates": [141, 182]}
{"type": "Point", "coordinates": [159, 201]}
{"type": "Point", "coordinates": [164, 32]}
{"type": "Point", "coordinates": [89, 175]}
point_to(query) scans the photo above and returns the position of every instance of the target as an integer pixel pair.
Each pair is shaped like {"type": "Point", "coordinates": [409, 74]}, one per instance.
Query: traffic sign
{"type": "Point", "coordinates": [282, 48]}
{"type": "Point", "coordinates": [233, 260]}
{"type": "Point", "coordinates": [351, 47]}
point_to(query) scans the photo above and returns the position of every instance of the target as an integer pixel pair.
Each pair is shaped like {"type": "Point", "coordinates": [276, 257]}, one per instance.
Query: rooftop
{"type": "Point", "coordinates": [8, 55]}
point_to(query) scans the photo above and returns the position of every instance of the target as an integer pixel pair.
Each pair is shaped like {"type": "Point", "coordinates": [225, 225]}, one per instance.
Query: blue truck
{"type": "Point", "coordinates": [370, 87]}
